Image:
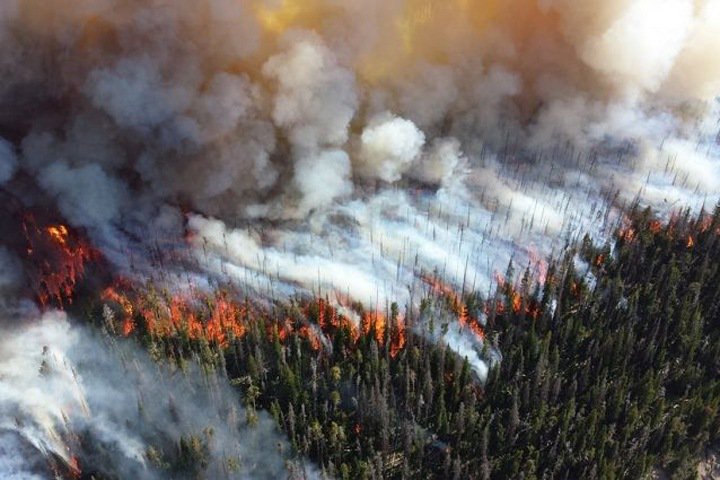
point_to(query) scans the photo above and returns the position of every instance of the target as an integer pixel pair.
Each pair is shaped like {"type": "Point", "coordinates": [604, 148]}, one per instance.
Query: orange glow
{"type": "Point", "coordinates": [690, 242]}
{"type": "Point", "coordinates": [516, 301]}
{"type": "Point", "coordinates": [457, 306]}
{"type": "Point", "coordinates": [443, 290]}
{"type": "Point", "coordinates": [655, 226]}
{"type": "Point", "coordinates": [374, 322]}
{"type": "Point", "coordinates": [539, 265]}
{"type": "Point", "coordinates": [74, 465]}
{"type": "Point", "coordinates": [112, 295]}
{"type": "Point", "coordinates": [311, 336]}
{"type": "Point", "coordinates": [215, 318]}
{"type": "Point", "coordinates": [128, 327]}
{"type": "Point", "coordinates": [287, 14]}
{"type": "Point", "coordinates": [285, 330]}
{"type": "Point", "coordinates": [397, 340]}
{"type": "Point", "coordinates": [60, 259]}
{"type": "Point", "coordinates": [627, 234]}
{"type": "Point", "coordinates": [599, 260]}
{"type": "Point", "coordinates": [59, 233]}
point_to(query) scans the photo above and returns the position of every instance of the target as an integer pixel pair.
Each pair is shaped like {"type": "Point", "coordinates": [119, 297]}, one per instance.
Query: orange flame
{"type": "Point", "coordinates": [112, 295]}
{"type": "Point", "coordinates": [60, 258]}
{"type": "Point", "coordinates": [311, 336]}
{"type": "Point", "coordinates": [74, 466]}
{"type": "Point", "coordinates": [599, 260]}
{"type": "Point", "coordinates": [655, 226]}
{"type": "Point", "coordinates": [457, 306]}
{"type": "Point", "coordinates": [215, 318]}
{"type": "Point", "coordinates": [374, 323]}
{"type": "Point", "coordinates": [398, 339]}
{"type": "Point", "coordinates": [627, 234]}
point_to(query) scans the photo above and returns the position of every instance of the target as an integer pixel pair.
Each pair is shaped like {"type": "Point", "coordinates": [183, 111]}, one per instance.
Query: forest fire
{"type": "Point", "coordinates": [74, 466]}
{"type": "Point", "coordinates": [213, 317]}
{"type": "Point", "coordinates": [627, 234]}
{"type": "Point", "coordinates": [311, 336]}
{"type": "Point", "coordinates": [456, 305]}
{"type": "Point", "coordinates": [112, 295]}
{"type": "Point", "coordinates": [655, 226]}
{"type": "Point", "coordinates": [678, 228]}
{"type": "Point", "coordinates": [374, 323]}
{"type": "Point", "coordinates": [59, 258]}
{"type": "Point", "coordinates": [219, 319]}
{"type": "Point", "coordinates": [599, 260]}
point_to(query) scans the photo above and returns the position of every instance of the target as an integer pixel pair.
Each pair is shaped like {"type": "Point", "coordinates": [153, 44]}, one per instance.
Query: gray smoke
{"type": "Point", "coordinates": [68, 392]}
{"type": "Point", "coordinates": [348, 148]}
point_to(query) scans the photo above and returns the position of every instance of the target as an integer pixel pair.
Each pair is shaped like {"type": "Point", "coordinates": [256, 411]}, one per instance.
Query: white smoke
{"type": "Point", "coordinates": [70, 393]}
{"type": "Point", "coordinates": [388, 147]}
{"type": "Point", "coordinates": [353, 147]}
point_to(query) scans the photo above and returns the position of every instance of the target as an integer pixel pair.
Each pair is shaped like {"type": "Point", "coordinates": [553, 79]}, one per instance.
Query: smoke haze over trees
{"type": "Point", "coordinates": [319, 200]}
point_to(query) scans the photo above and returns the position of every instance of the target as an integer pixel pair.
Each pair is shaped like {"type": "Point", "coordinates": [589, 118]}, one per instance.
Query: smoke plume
{"type": "Point", "coordinates": [342, 148]}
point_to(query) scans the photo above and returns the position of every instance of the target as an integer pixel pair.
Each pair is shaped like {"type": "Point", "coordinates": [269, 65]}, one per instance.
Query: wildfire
{"type": "Point", "coordinates": [371, 323]}
{"type": "Point", "coordinates": [457, 306]}
{"type": "Point", "coordinates": [218, 318]}
{"type": "Point", "coordinates": [516, 301]}
{"type": "Point", "coordinates": [467, 322]}
{"type": "Point", "coordinates": [59, 233]}
{"type": "Point", "coordinates": [627, 234]}
{"type": "Point", "coordinates": [397, 338]}
{"type": "Point", "coordinates": [539, 265]}
{"type": "Point", "coordinates": [74, 465]}
{"type": "Point", "coordinates": [655, 226]}
{"type": "Point", "coordinates": [599, 260]}
{"type": "Point", "coordinates": [374, 323]}
{"type": "Point", "coordinates": [690, 242]}
{"type": "Point", "coordinates": [311, 336]}
{"type": "Point", "coordinates": [112, 295]}
{"type": "Point", "coordinates": [60, 258]}
{"type": "Point", "coordinates": [215, 318]}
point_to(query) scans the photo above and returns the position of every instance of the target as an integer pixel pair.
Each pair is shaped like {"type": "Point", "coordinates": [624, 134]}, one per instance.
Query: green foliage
{"type": "Point", "coordinates": [614, 371]}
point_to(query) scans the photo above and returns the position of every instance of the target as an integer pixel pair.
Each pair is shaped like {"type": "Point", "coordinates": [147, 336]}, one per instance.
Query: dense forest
{"type": "Point", "coordinates": [610, 366]}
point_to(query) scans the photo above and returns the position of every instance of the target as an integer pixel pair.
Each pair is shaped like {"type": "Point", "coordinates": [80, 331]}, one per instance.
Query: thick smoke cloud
{"type": "Point", "coordinates": [8, 161]}
{"type": "Point", "coordinates": [389, 145]}
{"type": "Point", "coordinates": [271, 110]}
{"type": "Point", "coordinates": [352, 148]}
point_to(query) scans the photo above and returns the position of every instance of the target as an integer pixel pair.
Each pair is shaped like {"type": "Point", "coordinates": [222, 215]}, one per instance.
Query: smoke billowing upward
{"type": "Point", "coordinates": [346, 148]}
{"type": "Point", "coordinates": [273, 109]}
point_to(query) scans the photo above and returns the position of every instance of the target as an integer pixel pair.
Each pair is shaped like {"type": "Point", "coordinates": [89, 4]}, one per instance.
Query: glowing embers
{"type": "Point", "coordinates": [59, 256]}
